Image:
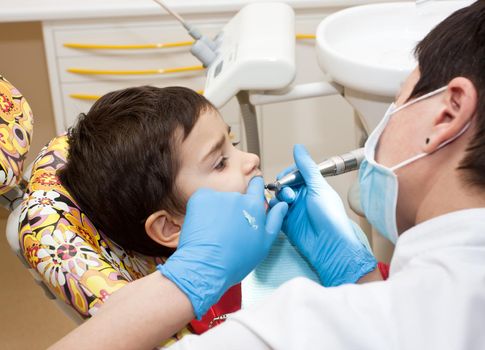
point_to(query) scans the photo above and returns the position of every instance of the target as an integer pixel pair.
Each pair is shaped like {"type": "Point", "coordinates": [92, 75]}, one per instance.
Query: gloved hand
{"type": "Point", "coordinates": [319, 227]}
{"type": "Point", "coordinates": [224, 236]}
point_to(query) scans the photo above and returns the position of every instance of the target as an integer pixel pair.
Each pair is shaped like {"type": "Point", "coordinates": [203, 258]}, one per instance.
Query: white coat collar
{"type": "Point", "coordinates": [463, 228]}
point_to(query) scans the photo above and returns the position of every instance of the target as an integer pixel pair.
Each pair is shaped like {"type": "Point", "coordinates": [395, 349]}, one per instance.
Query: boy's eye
{"type": "Point", "coordinates": [222, 164]}
{"type": "Point", "coordinates": [236, 143]}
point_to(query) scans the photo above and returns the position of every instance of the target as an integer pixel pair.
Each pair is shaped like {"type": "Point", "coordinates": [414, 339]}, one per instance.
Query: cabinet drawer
{"type": "Point", "coordinates": [131, 64]}
{"type": "Point", "coordinates": [127, 64]}
{"type": "Point", "coordinates": [125, 34]}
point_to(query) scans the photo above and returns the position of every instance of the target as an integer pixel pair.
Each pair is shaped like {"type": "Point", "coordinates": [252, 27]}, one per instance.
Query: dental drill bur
{"type": "Point", "coordinates": [335, 165]}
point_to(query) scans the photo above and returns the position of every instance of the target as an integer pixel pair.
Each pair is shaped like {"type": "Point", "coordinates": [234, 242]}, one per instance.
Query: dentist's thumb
{"type": "Point", "coordinates": [256, 187]}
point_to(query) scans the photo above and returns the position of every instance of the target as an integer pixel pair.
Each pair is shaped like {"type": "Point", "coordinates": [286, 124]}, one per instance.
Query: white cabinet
{"type": "Point", "coordinates": [104, 70]}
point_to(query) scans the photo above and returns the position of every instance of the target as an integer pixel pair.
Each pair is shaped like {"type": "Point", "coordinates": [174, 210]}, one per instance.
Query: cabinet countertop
{"type": "Point", "coordinates": [45, 10]}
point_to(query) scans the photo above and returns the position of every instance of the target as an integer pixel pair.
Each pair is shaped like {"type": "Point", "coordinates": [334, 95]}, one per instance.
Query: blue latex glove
{"type": "Point", "coordinates": [319, 227]}
{"type": "Point", "coordinates": [224, 236]}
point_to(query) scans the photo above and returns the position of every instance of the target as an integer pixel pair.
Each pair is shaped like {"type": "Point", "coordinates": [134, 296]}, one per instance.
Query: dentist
{"type": "Point", "coordinates": [422, 186]}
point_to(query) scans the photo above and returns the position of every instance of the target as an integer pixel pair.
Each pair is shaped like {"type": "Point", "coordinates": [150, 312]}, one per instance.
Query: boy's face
{"type": "Point", "coordinates": [209, 159]}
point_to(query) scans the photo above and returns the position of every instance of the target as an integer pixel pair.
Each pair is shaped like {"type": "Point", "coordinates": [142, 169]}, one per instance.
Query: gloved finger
{"type": "Point", "coordinates": [199, 195]}
{"type": "Point", "coordinates": [307, 167]}
{"type": "Point", "coordinates": [286, 194]}
{"type": "Point", "coordinates": [256, 187]}
{"type": "Point", "coordinates": [275, 218]}
{"type": "Point", "coordinates": [273, 201]}
{"type": "Point", "coordinates": [286, 171]}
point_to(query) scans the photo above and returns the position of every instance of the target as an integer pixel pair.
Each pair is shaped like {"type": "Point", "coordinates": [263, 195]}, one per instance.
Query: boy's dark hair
{"type": "Point", "coordinates": [122, 161]}
{"type": "Point", "coordinates": [456, 48]}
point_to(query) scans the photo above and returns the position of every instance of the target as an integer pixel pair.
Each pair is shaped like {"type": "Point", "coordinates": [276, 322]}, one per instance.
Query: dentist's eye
{"type": "Point", "coordinates": [221, 164]}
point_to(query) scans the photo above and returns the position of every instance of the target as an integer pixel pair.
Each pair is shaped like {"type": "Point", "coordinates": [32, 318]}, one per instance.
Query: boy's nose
{"type": "Point", "coordinates": [251, 164]}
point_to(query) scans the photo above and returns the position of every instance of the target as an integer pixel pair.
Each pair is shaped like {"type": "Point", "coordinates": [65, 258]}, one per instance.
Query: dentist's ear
{"type": "Point", "coordinates": [164, 228]}
{"type": "Point", "coordinates": [459, 106]}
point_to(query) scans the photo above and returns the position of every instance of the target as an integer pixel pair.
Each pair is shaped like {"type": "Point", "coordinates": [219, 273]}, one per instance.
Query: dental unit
{"type": "Point", "coordinates": [250, 53]}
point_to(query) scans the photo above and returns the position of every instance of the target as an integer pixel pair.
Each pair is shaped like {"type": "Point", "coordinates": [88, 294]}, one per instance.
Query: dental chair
{"type": "Point", "coordinates": [75, 264]}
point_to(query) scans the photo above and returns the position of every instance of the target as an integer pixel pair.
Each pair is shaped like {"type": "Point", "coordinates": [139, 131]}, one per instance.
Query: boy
{"type": "Point", "coordinates": [152, 148]}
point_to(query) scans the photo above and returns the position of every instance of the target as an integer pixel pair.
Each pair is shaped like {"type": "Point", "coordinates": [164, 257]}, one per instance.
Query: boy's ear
{"type": "Point", "coordinates": [164, 228]}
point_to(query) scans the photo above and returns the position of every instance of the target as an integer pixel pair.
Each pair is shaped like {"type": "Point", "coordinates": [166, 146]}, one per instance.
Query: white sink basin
{"type": "Point", "coordinates": [370, 48]}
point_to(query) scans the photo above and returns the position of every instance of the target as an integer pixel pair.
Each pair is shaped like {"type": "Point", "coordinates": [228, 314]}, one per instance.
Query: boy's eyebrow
{"type": "Point", "coordinates": [217, 145]}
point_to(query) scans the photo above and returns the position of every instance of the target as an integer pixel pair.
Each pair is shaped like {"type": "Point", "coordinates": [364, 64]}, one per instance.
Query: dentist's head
{"type": "Point", "coordinates": [427, 157]}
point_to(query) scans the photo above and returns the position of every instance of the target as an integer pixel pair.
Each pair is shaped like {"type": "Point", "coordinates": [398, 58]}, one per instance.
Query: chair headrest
{"type": "Point", "coordinates": [75, 259]}
{"type": "Point", "coordinates": [16, 123]}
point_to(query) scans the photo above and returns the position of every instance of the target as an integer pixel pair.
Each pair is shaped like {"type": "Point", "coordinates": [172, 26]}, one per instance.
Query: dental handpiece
{"type": "Point", "coordinates": [335, 165]}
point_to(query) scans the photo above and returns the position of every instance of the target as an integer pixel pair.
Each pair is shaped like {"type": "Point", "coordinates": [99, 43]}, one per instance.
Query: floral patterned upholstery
{"type": "Point", "coordinates": [16, 122]}
{"type": "Point", "coordinates": [80, 265]}
{"type": "Point", "coordinates": [76, 262]}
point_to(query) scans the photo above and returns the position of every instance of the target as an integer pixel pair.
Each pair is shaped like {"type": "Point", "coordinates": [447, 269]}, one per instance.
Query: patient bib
{"type": "Point", "coordinates": [283, 263]}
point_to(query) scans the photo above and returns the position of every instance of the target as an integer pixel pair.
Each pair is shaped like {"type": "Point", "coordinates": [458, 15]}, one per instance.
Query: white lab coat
{"type": "Point", "coordinates": [434, 299]}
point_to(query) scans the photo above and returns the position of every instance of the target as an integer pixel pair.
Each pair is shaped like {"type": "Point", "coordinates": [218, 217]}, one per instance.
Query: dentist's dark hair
{"type": "Point", "coordinates": [123, 160]}
{"type": "Point", "coordinates": [456, 48]}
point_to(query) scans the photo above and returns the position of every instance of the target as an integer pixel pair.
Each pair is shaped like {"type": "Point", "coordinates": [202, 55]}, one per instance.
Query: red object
{"type": "Point", "coordinates": [383, 269]}
{"type": "Point", "coordinates": [229, 302]}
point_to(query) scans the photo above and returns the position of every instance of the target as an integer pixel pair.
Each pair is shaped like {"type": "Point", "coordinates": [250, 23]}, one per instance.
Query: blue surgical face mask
{"type": "Point", "coordinates": [379, 184]}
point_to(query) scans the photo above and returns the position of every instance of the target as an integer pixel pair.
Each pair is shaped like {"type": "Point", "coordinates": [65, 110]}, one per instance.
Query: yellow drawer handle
{"type": "Point", "coordinates": [149, 46]}
{"type": "Point", "coordinates": [305, 36]}
{"type": "Point", "coordinates": [86, 71]}
{"type": "Point", "coordinates": [127, 47]}
{"type": "Point", "coordinates": [88, 97]}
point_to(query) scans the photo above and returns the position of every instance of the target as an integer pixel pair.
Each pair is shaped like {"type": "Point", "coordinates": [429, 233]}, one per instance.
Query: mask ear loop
{"type": "Point", "coordinates": [397, 109]}
{"type": "Point", "coordinates": [420, 98]}
{"type": "Point", "coordinates": [421, 155]}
